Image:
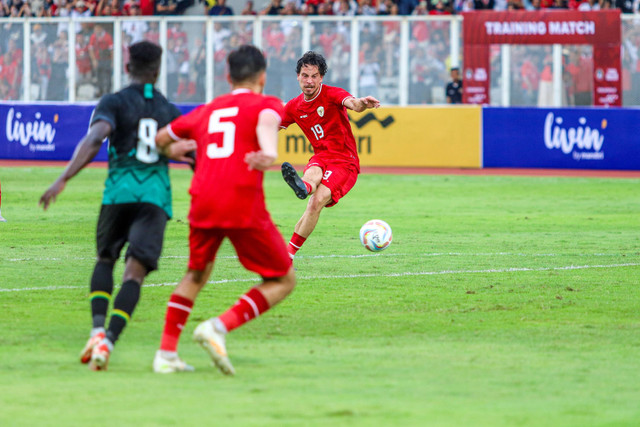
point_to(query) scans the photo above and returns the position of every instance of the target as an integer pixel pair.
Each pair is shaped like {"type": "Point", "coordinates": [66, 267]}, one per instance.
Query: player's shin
{"type": "Point", "coordinates": [101, 290]}
{"type": "Point", "coordinates": [249, 306]}
{"type": "Point", "coordinates": [295, 244]}
{"type": "Point", "coordinates": [178, 311]}
{"type": "Point", "coordinates": [123, 307]}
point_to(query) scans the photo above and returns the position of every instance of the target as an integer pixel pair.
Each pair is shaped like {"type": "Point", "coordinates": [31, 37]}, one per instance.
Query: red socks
{"type": "Point", "coordinates": [249, 306]}
{"type": "Point", "coordinates": [178, 310]}
{"type": "Point", "coordinates": [309, 187]}
{"type": "Point", "coordinates": [294, 244]}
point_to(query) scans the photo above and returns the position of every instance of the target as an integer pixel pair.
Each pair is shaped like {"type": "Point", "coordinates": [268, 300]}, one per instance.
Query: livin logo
{"type": "Point", "coordinates": [569, 138]}
{"type": "Point", "coordinates": [387, 121]}
{"type": "Point", "coordinates": [24, 132]}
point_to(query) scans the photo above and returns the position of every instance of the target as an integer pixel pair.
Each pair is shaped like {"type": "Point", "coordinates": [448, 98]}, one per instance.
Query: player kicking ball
{"type": "Point", "coordinates": [237, 139]}
{"type": "Point", "coordinates": [321, 112]}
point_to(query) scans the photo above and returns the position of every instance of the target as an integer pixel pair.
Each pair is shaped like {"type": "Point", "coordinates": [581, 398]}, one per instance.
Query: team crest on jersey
{"type": "Point", "coordinates": [321, 111]}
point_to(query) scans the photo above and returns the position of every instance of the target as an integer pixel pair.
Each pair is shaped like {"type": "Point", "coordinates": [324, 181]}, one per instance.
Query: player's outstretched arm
{"type": "Point", "coordinates": [360, 104]}
{"type": "Point", "coordinates": [267, 132]}
{"type": "Point", "coordinates": [84, 153]}
{"type": "Point", "coordinates": [178, 150]}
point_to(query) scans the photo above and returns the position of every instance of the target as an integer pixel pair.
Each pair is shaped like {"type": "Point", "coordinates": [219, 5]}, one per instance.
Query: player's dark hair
{"type": "Point", "coordinates": [312, 58]}
{"type": "Point", "coordinates": [144, 58]}
{"type": "Point", "coordinates": [246, 63]}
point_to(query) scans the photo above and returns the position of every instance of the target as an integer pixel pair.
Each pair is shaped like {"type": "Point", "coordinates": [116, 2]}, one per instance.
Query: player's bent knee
{"type": "Point", "coordinates": [288, 281]}
{"type": "Point", "coordinates": [196, 278]}
{"type": "Point", "coordinates": [320, 199]}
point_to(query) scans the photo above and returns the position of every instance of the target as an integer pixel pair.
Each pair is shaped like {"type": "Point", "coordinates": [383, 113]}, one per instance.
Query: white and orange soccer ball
{"type": "Point", "coordinates": [376, 235]}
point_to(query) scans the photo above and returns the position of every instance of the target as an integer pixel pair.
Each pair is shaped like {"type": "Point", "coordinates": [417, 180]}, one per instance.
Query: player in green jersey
{"type": "Point", "coordinates": [137, 196]}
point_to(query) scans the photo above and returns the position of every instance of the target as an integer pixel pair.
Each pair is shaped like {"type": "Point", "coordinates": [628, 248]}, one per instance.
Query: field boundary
{"type": "Point", "coordinates": [589, 173]}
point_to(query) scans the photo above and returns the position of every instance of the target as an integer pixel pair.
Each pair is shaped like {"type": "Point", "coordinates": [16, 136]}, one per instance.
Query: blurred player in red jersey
{"type": "Point", "coordinates": [237, 139]}
{"type": "Point", "coordinates": [321, 112]}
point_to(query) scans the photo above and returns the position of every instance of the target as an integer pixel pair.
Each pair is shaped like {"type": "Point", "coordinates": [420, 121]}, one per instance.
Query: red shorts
{"type": "Point", "coordinates": [261, 250]}
{"type": "Point", "coordinates": [338, 177]}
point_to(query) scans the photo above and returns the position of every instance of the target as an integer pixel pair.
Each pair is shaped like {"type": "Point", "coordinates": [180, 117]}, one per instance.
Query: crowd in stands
{"type": "Point", "coordinates": [84, 8]}
{"type": "Point", "coordinates": [378, 56]}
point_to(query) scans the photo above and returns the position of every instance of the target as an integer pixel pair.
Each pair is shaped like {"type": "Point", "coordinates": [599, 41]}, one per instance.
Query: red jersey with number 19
{"type": "Point", "coordinates": [325, 123]}
{"type": "Point", "coordinates": [224, 192]}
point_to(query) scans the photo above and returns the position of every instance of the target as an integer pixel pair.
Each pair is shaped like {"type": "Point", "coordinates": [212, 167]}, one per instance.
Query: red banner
{"type": "Point", "coordinates": [607, 80]}
{"type": "Point", "coordinates": [476, 74]}
{"type": "Point", "coordinates": [602, 29]}
{"type": "Point", "coordinates": [542, 27]}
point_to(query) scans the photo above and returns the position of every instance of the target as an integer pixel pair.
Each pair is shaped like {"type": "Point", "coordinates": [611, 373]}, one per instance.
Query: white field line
{"type": "Point", "coordinates": [356, 276]}
{"type": "Point", "coordinates": [433, 254]}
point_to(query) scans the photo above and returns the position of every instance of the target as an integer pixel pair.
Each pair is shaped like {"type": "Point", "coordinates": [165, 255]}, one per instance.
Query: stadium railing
{"type": "Point", "coordinates": [401, 60]}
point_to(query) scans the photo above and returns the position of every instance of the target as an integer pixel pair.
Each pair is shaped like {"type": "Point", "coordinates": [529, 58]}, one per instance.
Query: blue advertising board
{"type": "Point", "coordinates": [567, 138]}
{"type": "Point", "coordinates": [43, 131]}
{"type": "Point", "coordinates": [47, 131]}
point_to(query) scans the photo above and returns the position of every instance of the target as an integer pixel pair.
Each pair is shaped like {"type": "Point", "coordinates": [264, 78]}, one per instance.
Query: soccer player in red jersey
{"type": "Point", "coordinates": [237, 139]}
{"type": "Point", "coordinates": [321, 112]}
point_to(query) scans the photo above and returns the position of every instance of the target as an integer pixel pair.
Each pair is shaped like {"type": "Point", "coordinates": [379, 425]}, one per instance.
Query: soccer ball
{"type": "Point", "coordinates": [375, 235]}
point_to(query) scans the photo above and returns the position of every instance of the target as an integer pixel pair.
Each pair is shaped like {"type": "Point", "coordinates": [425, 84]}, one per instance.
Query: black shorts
{"type": "Point", "coordinates": [140, 224]}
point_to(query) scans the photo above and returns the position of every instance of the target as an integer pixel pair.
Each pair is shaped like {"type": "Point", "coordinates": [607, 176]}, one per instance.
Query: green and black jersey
{"type": "Point", "coordinates": [137, 173]}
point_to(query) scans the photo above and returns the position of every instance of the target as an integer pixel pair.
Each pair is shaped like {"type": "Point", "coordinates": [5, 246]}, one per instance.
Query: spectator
{"type": "Point", "coordinates": [135, 29]}
{"type": "Point", "coordinates": [41, 73]}
{"type": "Point", "coordinates": [405, 7]}
{"type": "Point", "coordinates": [176, 31]}
{"type": "Point", "coordinates": [4, 12]}
{"type": "Point", "coordinates": [588, 5]}
{"type": "Point", "coordinates": [25, 10]}
{"type": "Point", "coordinates": [248, 9]}
{"type": "Point", "coordinates": [440, 8]}
{"type": "Point", "coordinates": [626, 6]}
{"type": "Point", "coordinates": [37, 35]}
{"type": "Point", "coordinates": [369, 75]}
{"type": "Point", "coordinates": [166, 7]}
{"type": "Point", "coordinates": [483, 4]}
{"type": "Point", "coordinates": [453, 91]}
{"type": "Point", "coordinates": [324, 9]}
{"type": "Point", "coordinates": [384, 7]}
{"type": "Point", "coordinates": [173, 68]}
{"type": "Point", "coordinates": [220, 9]}
{"type": "Point", "coordinates": [83, 59]}
{"type": "Point", "coordinates": [147, 7]}
{"type": "Point", "coordinates": [272, 8]}
{"type": "Point", "coordinates": [200, 66]}
{"type": "Point", "coordinates": [10, 74]}
{"type": "Point", "coordinates": [37, 7]}
{"type": "Point", "coordinates": [289, 9]}
{"type": "Point", "coordinates": [345, 8]}
{"type": "Point", "coordinates": [366, 8]}
{"type": "Point", "coordinates": [101, 54]}
{"type": "Point", "coordinates": [418, 67]}
{"type": "Point", "coordinates": [535, 5]}
{"type": "Point", "coordinates": [153, 34]}
{"type": "Point", "coordinates": [80, 10]}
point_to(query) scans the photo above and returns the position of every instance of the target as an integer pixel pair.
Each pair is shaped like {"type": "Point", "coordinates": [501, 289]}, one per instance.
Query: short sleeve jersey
{"type": "Point", "coordinates": [325, 123]}
{"type": "Point", "coordinates": [224, 192]}
{"type": "Point", "coordinates": [137, 173]}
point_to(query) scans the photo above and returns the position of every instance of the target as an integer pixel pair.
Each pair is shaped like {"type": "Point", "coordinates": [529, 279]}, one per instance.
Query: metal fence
{"type": "Point", "coordinates": [401, 60]}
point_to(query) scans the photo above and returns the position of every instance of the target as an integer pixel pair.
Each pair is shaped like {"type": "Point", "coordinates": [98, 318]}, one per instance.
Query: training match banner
{"type": "Point", "coordinates": [397, 136]}
{"type": "Point", "coordinates": [565, 138]}
{"type": "Point", "coordinates": [602, 29]}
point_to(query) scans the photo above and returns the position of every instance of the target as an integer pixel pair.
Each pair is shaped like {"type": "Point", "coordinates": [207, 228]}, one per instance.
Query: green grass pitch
{"type": "Point", "coordinates": [502, 301]}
